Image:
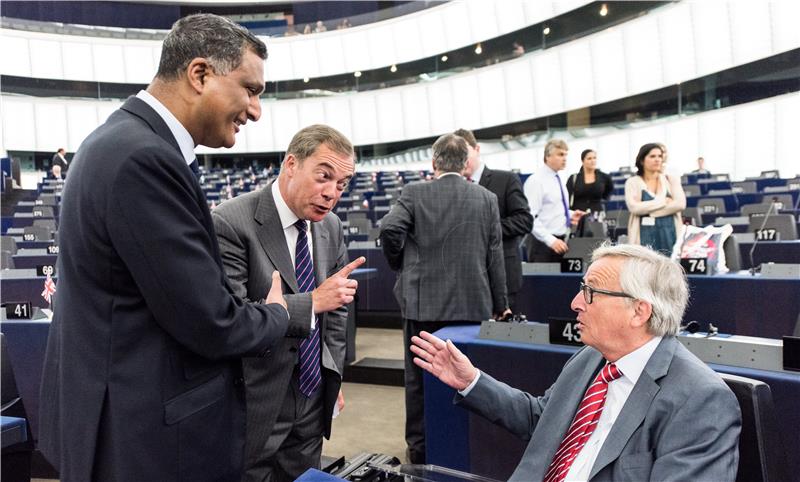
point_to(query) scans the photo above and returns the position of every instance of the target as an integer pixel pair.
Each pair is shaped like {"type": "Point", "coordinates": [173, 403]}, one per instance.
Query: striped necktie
{"type": "Point", "coordinates": [310, 376]}
{"type": "Point", "coordinates": [583, 424]}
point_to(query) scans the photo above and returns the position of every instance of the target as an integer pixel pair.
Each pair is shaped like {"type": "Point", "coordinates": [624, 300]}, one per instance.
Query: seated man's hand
{"type": "Point", "coordinates": [443, 360]}
{"type": "Point", "coordinates": [275, 294]}
{"type": "Point", "coordinates": [337, 290]}
{"type": "Point", "coordinates": [559, 246]}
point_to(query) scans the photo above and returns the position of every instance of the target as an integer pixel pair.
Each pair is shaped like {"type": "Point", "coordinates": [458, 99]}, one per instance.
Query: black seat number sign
{"type": "Point", "coordinates": [353, 229]}
{"type": "Point", "coordinates": [45, 270]}
{"type": "Point", "coordinates": [695, 265]}
{"type": "Point", "coordinates": [29, 237]}
{"type": "Point", "coordinates": [767, 234]}
{"type": "Point", "coordinates": [709, 208]}
{"type": "Point", "coordinates": [572, 265]}
{"type": "Point", "coordinates": [38, 213]}
{"type": "Point", "coordinates": [18, 310]}
{"type": "Point", "coordinates": [564, 331]}
{"type": "Point", "coordinates": [52, 250]}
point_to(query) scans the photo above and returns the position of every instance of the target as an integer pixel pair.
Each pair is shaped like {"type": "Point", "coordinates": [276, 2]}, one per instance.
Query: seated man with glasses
{"type": "Point", "coordinates": [634, 404]}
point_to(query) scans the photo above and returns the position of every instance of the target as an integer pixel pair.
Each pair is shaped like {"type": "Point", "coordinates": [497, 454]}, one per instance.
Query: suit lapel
{"type": "Point", "coordinates": [139, 108]}
{"type": "Point", "coordinates": [320, 236]}
{"type": "Point", "coordinates": [637, 405]}
{"type": "Point", "coordinates": [270, 234]}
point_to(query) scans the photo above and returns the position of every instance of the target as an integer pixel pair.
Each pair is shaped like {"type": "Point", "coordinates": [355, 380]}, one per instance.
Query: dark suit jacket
{"type": "Point", "coordinates": [253, 245]}
{"type": "Point", "coordinates": [680, 422]}
{"type": "Point", "coordinates": [589, 196]}
{"type": "Point", "coordinates": [444, 237]}
{"type": "Point", "coordinates": [142, 376]}
{"type": "Point", "coordinates": [515, 220]}
{"type": "Point", "coordinates": [57, 161]}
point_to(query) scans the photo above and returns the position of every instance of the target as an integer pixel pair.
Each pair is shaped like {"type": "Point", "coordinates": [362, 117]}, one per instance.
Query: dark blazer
{"type": "Point", "coordinates": [589, 196]}
{"type": "Point", "coordinates": [57, 161]}
{"type": "Point", "coordinates": [444, 237]}
{"type": "Point", "coordinates": [515, 220]}
{"type": "Point", "coordinates": [253, 245]}
{"type": "Point", "coordinates": [142, 376]}
{"type": "Point", "coordinates": [680, 422]}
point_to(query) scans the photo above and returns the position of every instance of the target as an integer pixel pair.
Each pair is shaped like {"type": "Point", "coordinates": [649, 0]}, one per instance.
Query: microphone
{"type": "Point", "coordinates": [757, 238]}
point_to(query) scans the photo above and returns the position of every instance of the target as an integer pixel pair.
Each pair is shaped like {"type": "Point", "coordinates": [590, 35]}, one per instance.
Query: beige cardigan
{"type": "Point", "coordinates": [656, 207]}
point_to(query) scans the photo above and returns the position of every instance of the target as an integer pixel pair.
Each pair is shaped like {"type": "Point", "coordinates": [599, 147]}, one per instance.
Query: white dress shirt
{"type": "Point", "coordinates": [182, 136]}
{"type": "Point", "coordinates": [631, 366]}
{"type": "Point", "coordinates": [290, 233]}
{"type": "Point", "coordinates": [476, 176]}
{"type": "Point", "coordinates": [543, 191]}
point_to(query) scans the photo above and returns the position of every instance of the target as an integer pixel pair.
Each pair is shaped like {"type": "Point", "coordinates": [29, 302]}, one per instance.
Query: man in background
{"type": "Point", "coordinates": [59, 164]}
{"type": "Point", "coordinates": [444, 238]}
{"type": "Point", "coordinates": [292, 392]}
{"type": "Point", "coordinates": [142, 374]}
{"type": "Point", "coordinates": [626, 406]}
{"type": "Point", "coordinates": [515, 214]}
{"type": "Point", "coordinates": [548, 201]}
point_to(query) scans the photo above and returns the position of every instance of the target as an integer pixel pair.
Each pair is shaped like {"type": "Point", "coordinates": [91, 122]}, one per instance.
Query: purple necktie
{"type": "Point", "coordinates": [310, 376]}
{"type": "Point", "coordinates": [563, 199]}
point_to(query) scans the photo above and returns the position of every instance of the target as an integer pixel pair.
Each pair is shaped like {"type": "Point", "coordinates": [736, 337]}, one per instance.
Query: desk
{"type": "Point", "coordinates": [738, 304]}
{"type": "Point", "coordinates": [23, 285]}
{"type": "Point", "coordinates": [21, 220]}
{"type": "Point", "coordinates": [775, 251]}
{"type": "Point", "coordinates": [460, 440]}
{"type": "Point", "coordinates": [27, 340]}
{"type": "Point", "coordinates": [31, 258]}
{"type": "Point", "coordinates": [376, 293]}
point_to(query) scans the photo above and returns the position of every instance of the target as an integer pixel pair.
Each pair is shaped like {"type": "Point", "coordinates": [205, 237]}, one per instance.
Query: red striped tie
{"type": "Point", "coordinates": [583, 424]}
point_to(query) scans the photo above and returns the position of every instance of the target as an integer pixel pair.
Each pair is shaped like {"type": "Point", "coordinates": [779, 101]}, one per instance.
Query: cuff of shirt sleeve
{"type": "Point", "coordinates": [472, 384]}
{"type": "Point", "coordinates": [313, 317]}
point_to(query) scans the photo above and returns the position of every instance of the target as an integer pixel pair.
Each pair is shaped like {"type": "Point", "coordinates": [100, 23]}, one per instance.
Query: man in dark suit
{"type": "Point", "coordinates": [515, 213]}
{"type": "Point", "coordinates": [444, 238]}
{"type": "Point", "coordinates": [634, 404]}
{"type": "Point", "coordinates": [258, 232]}
{"type": "Point", "coordinates": [59, 164]}
{"type": "Point", "coordinates": [142, 374]}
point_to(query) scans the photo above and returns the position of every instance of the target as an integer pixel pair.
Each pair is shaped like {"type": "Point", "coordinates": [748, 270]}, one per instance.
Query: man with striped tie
{"type": "Point", "coordinates": [289, 226]}
{"type": "Point", "coordinates": [634, 404]}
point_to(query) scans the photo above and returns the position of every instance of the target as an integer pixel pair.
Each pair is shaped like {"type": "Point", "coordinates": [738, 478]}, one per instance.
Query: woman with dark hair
{"type": "Point", "coordinates": [654, 205]}
{"type": "Point", "coordinates": [590, 186]}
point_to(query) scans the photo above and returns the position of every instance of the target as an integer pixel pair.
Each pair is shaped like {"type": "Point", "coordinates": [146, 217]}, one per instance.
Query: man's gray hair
{"type": "Point", "coordinates": [211, 37]}
{"type": "Point", "coordinates": [450, 153]}
{"type": "Point", "coordinates": [552, 145]}
{"type": "Point", "coordinates": [649, 276]}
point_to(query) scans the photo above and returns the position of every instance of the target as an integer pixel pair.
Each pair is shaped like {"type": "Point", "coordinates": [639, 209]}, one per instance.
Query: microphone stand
{"type": "Point", "coordinates": [756, 240]}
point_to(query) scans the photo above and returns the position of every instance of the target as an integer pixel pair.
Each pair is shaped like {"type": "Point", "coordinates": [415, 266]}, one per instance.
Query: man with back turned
{"type": "Point", "coordinates": [444, 238]}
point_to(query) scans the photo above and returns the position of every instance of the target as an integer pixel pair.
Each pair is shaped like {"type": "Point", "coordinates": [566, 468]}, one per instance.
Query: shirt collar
{"type": "Point", "coordinates": [448, 174]}
{"type": "Point", "coordinates": [287, 216]}
{"type": "Point", "coordinates": [632, 364]}
{"type": "Point", "coordinates": [476, 176]}
{"type": "Point", "coordinates": [182, 136]}
{"type": "Point", "coordinates": [548, 169]}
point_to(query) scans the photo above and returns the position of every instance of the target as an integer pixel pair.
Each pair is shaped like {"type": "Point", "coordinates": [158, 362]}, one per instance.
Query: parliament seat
{"type": "Point", "coordinates": [761, 455]}
{"type": "Point", "coordinates": [784, 224]}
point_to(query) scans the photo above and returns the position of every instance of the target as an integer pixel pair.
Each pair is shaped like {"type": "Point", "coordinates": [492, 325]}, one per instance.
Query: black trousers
{"type": "Point", "coordinates": [415, 395]}
{"type": "Point", "coordinates": [541, 253]}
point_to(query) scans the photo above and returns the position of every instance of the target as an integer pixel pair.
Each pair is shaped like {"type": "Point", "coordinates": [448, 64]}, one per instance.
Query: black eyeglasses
{"type": "Point", "coordinates": [588, 293]}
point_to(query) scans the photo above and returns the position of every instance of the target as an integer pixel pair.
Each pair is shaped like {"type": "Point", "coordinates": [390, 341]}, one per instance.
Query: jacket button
{"type": "Point", "coordinates": [239, 381]}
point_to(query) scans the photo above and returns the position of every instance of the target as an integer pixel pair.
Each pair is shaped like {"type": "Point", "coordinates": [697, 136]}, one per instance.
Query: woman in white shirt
{"type": "Point", "coordinates": [654, 202]}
